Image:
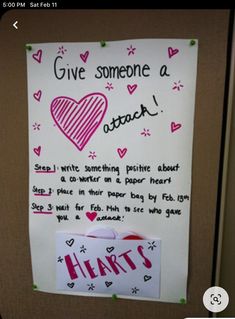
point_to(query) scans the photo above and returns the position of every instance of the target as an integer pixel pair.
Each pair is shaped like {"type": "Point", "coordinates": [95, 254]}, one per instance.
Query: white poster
{"type": "Point", "coordinates": [110, 152]}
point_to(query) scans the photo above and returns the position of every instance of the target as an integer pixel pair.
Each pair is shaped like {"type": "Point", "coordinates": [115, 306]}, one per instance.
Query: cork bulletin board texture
{"type": "Point", "coordinates": [210, 27]}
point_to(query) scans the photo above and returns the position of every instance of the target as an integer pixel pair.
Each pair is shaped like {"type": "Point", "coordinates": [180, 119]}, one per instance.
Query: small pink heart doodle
{"type": "Point", "coordinates": [84, 56]}
{"type": "Point", "coordinates": [175, 126]}
{"type": "Point", "coordinates": [37, 150]}
{"type": "Point", "coordinates": [78, 121]}
{"type": "Point", "coordinates": [172, 52]}
{"type": "Point", "coordinates": [122, 152]}
{"type": "Point", "coordinates": [131, 88]}
{"type": "Point", "coordinates": [38, 56]}
{"type": "Point", "coordinates": [91, 215]}
{"type": "Point", "coordinates": [37, 95]}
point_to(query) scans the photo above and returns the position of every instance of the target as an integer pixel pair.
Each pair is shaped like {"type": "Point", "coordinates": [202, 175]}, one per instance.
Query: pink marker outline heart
{"type": "Point", "coordinates": [172, 52]}
{"type": "Point", "coordinates": [37, 95]}
{"type": "Point", "coordinates": [37, 150]}
{"type": "Point", "coordinates": [78, 121]}
{"type": "Point", "coordinates": [132, 88]}
{"type": "Point", "coordinates": [84, 56]}
{"type": "Point", "coordinates": [91, 215]}
{"type": "Point", "coordinates": [38, 56]}
{"type": "Point", "coordinates": [122, 152]}
{"type": "Point", "coordinates": [175, 126]}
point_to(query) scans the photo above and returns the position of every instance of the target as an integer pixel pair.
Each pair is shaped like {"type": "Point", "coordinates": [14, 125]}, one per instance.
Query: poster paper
{"type": "Point", "coordinates": [110, 145]}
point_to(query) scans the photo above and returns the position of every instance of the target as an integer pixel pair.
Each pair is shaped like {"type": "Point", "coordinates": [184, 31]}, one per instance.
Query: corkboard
{"type": "Point", "coordinates": [210, 27]}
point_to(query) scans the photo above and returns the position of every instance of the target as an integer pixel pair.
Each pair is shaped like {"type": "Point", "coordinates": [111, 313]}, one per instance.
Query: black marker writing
{"type": "Point", "coordinates": [67, 72]}
{"type": "Point", "coordinates": [123, 119]}
{"type": "Point", "coordinates": [163, 71]}
{"type": "Point", "coordinates": [116, 72]}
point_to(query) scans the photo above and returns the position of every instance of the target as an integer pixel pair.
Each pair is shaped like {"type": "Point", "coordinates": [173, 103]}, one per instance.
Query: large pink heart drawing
{"type": "Point", "coordinates": [78, 121]}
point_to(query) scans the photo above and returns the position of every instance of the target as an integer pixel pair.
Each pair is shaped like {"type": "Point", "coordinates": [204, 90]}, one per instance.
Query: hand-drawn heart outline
{"type": "Point", "coordinates": [108, 283]}
{"type": "Point", "coordinates": [172, 52]}
{"type": "Point", "coordinates": [37, 95]}
{"type": "Point", "coordinates": [131, 88]}
{"type": "Point", "coordinates": [70, 284]}
{"type": "Point", "coordinates": [175, 126]}
{"type": "Point", "coordinates": [78, 121]}
{"type": "Point", "coordinates": [70, 242]}
{"type": "Point", "coordinates": [146, 278]}
{"type": "Point", "coordinates": [84, 56]}
{"type": "Point", "coordinates": [37, 150]}
{"type": "Point", "coordinates": [91, 215]}
{"type": "Point", "coordinates": [122, 152]}
{"type": "Point", "coordinates": [109, 249]}
{"type": "Point", "coordinates": [38, 56]}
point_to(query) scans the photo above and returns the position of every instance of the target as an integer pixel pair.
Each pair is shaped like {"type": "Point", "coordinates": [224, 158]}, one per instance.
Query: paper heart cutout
{"type": "Point", "coordinates": [108, 283]}
{"type": "Point", "coordinates": [131, 88]}
{"type": "Point", "coordinates": [122, 152]}
{"type": "Point", "coordinates": [133, 237]}
{"type": "Point", "coordinates": [37, 95]}
{"type": "Point", "coordinates": [99, 231]}
{"type": "Point", "coordinates": [70, 242]}
{"type": "Point", "coordinates": [175, 126]}
{"type": "Point", "coordinates": [91, 215]}
{"type": "Point", "coordinates": [146, 278]}
{"type": "Point", "coordinates": [37, 150]}
{"type": "Point", "coordinates": [84, 56]}
{"type": "Point", "coordinates": [78, 121]}
{"type": "Point", "coordinates": [70, 284]}
{"type": "Point", "coordinates": [172, 52]}
{"type": "Point", "coordinates": [109, 249]}
{"type": "Point", "coordinates": [38, 56]}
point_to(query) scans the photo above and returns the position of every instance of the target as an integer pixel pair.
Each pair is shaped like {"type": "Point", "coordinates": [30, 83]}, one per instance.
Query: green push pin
{"type": "Point", "coordinates": [114, 297]}
{"type": "Point", "coordinates": [192, 42]}
{"type": "Point", "coordinates": [28, 47]}
{"type": "Point", "coordinates": [103, 44]}
{"type": "Point", "coordinates": [35, 287]}
{"type": "Point", "coordinates": [182, 301]}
